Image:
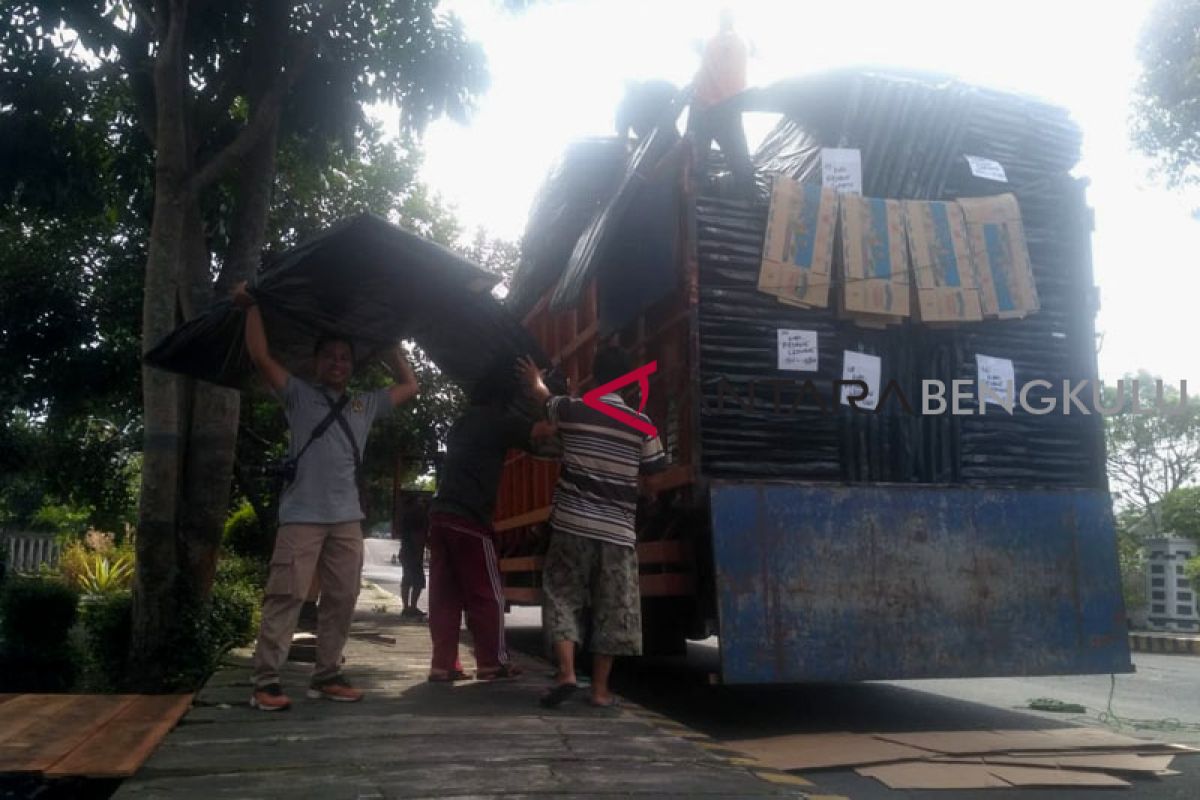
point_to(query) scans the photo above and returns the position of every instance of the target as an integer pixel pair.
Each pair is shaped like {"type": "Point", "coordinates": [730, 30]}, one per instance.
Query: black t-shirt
{"type": "Point", "coordinates": [475, 451]}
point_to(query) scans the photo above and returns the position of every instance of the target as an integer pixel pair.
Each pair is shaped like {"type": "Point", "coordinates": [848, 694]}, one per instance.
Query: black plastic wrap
{"type": "Point", "coordinates": [368, 281]}
{"type": "Point", "coordinates": [574, 192]}
{"type": "Point", "coordinates": [913, 132]}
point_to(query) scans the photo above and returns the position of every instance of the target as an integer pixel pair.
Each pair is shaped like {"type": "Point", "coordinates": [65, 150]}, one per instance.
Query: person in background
{"type": "Point", "coordinates": [414, 525]}
{"type": "Point", "coordinates": [592, 559]}
{"type": "Point", "coordinates": [714, 113]}
{"type": "Point", "coordinates": [320, 511]}
{"type": "Point", "coordinates": [463, 571]}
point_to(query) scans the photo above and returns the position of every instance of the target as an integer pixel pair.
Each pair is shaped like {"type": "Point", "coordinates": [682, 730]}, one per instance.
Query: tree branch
{"type": "Point", "coordinates": [265, 113]}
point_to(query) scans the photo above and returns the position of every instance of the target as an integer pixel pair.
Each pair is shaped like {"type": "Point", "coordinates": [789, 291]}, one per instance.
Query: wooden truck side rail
{"type": "Point", "coordinates": [661, 333]}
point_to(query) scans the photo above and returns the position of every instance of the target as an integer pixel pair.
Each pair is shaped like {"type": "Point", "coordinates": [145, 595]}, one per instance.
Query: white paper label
{"type": "Point", "coordinates": [797, 350]}
{"type": "Point", "coordinates": [841, 169]}
{"type": "Point", "coordinates": [986, 168]}
{"type": "Point", "coordinates": [861, 367]}
{"type": "Point", "coordinates": [996, 380]}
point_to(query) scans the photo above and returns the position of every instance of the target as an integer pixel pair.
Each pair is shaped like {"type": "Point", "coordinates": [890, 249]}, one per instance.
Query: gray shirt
{"type": "Point", "coordinates": [324, 492]}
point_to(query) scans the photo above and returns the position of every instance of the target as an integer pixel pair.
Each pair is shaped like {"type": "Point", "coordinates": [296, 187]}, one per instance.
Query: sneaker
{"type": "Point", "coordinates": [337, 689]}
{"type": "Point", "coordinates": [270, 698]}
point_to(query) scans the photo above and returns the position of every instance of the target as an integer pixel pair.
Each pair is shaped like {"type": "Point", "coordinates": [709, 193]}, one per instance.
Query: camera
{"type": "Point", "coordinates": [283, 471]}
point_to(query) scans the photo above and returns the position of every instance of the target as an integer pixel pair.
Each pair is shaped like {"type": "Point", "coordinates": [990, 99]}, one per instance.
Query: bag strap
{"type": "Point", "coordinates": [335, 412]}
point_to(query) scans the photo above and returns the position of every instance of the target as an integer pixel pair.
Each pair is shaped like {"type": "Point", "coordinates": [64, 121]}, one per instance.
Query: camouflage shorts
{"type": "Point", "coordinates": [581, 572]}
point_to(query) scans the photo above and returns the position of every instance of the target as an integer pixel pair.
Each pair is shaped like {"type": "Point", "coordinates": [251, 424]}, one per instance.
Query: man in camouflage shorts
{"type": "Point", "coordinates": [592, 560]}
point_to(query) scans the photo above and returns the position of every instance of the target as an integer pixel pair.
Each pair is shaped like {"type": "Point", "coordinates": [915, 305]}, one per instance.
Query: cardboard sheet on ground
{"type": "Point", "coordinates": [932, 775]}
{"type": "Point", "coordinates": [1008, 741]}
{"type": "Point", "coordinates": [369, 281]}
{"type": "Point", "coordinates": [824, 750]}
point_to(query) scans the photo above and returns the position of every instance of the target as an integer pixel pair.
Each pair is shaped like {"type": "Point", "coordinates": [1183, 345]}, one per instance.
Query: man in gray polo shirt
{"type": "Point", "coordinates": [320, 513]}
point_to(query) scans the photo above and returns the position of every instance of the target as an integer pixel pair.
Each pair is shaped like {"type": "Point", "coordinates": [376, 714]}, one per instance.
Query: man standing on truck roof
{"type": "Point", "coordinates": [463, 570]}
{"type": "Point", "coordinates": [592, 560]}
{"type": "Point", "coordinates": [715, 112]}
{"type": "Point", "coordinates": [320, 511]}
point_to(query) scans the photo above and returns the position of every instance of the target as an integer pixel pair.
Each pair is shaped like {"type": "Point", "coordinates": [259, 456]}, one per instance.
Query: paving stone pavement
{"type": "Point", "coordinates": [413, 739]}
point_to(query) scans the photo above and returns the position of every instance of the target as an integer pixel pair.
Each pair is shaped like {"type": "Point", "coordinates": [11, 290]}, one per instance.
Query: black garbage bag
{"type": "Point", "coordinates": [368, 281]}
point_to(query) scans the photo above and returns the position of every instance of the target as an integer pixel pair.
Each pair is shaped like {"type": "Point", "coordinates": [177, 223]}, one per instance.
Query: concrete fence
{"type": "Point", "coordinates": [27, 551]}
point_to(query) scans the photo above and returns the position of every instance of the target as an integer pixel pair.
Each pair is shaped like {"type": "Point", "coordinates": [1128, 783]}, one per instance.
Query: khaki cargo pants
{"type": "Point", "coordinates": [335, 552]}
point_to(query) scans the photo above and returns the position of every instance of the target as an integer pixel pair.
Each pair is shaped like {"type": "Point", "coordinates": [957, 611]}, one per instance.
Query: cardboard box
{"type": "Point", "coordinates": [797, 262]}
{"type": "Point", "coordinates": [1003, 271]}
{"type": "Point", "coordinates": [943, 271]}
{"type": "Point", "coordinates": [874, 257]}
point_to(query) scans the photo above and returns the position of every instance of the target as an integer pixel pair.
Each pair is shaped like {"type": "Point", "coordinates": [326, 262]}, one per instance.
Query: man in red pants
{"type": "Point", "coordinates": [463, 572]}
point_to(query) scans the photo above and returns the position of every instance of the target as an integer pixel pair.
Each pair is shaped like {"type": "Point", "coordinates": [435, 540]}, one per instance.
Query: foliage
{"type": "Point", "coordinates": [36, 612]}
{"type": "Point", "coordinates": [95, 564]}
{"type": "Point", "coordinates": [61, 519]}
{"type": "Point", "coordinates": [36, 615]}
{"type": "Point", "coordinates": [1130, 560]}
{"type": "Point", "coordinates": [244, 536]}
{"type": "Point", "coordinates": [1191, 569]}
{"type": "Point", "coordinates": [1181, 512]}
{"type": "Point", "coordinates": [1153, 451]}
{"type": "Point", "coordinates": [1167, 108]}
{"type": "Point", "coordinates": [107, 625]}
{"type": "Point", "coordinates": [105, 577]}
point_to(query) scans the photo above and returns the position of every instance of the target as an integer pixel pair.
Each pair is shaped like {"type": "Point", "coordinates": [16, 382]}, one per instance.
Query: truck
{"type": "Point", "coordinates": [815, 541]}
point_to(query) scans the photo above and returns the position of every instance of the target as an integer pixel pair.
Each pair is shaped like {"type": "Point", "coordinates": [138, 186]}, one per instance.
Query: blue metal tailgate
{"type": "Point", "coordinates": [821, 582]}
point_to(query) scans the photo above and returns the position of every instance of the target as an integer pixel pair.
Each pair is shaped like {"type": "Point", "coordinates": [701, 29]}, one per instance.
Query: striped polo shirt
{"type": "Point", "coordinates": [597, 489]}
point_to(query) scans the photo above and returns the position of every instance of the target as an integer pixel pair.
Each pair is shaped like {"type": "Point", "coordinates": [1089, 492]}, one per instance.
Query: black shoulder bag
{"type": "Point", "coordinates": [285, 471]}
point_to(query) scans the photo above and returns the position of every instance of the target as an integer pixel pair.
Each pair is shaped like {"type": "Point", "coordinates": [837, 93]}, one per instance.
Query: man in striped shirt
{"type": "Point", "coordinates": [592, 560]}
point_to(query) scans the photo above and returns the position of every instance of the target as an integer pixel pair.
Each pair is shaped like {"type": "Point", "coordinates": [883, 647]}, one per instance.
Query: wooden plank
{"type": "Point", "coordinates": [523, 594]}
{"type": "Point", "coordinates": [26, 711]}
{"type": "Point", "coordinates": [119, 748]}
{"type": "Point", "coordinates": [671, 584]}
{"type": "Point", "coordinates": [522, 564]}
{"type": "Point", "coordinates": [669, 552]}
{"type": "Point", "coordinates": [529, 518]}
{"type": "Point", "coordinates": [52, 737]}
{"type": "Point", "coordinates": [4, 698]}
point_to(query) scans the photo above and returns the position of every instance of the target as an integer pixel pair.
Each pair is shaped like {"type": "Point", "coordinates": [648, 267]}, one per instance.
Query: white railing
{"type": "Point", "coordinates": [28, 551]}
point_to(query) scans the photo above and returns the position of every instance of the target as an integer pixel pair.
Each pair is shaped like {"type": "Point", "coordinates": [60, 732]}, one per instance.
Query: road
{"type": "Point", "coordinates": [1164, 688]}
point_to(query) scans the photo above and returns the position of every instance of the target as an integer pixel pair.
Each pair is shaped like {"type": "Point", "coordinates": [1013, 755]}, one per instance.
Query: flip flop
{"type": "Point", "coordinates": [505, 672]}
{"type": "Point", "coordinates": [612, 702]}
{"type": "Point", "coordinates": [449, 677]}
{"type": "Point", "coordinates": [558, 695]}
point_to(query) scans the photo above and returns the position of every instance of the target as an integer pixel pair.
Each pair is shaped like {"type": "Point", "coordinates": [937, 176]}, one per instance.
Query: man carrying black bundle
{"type": "Point", "coordinates": [320, 511]}
{"type": "Point", "coordinates": [463, 571]}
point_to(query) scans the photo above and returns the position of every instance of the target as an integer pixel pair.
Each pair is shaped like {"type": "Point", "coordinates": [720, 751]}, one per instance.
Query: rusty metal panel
{"type": "Point", "coordinates": [821, 582]}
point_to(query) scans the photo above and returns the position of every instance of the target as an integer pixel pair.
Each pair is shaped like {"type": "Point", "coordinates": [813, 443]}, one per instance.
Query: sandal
{"type": "Point", "coordinates": [449, 677]}
{"type": "Point", "coordinates": [612, 702]}
{"type": "Point", "coordinates": [558, 695]}
{"type": "Point", "coordinates": [504, 672]}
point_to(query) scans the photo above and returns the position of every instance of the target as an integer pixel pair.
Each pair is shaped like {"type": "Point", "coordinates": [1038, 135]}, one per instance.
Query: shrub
{"type": "Point", "coordinates": [107, 626]}
{"type": "Point", "coordinates": [36, 616]}
{"type": "Point", "coordinates": [244, 536]}
{"type": "Point", "coordinates": [97, 566]}
{"type": "Point", "coordinates": [234, 619]}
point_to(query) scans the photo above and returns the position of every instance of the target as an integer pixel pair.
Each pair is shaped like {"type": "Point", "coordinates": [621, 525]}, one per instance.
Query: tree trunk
{"type": "Point", "coordinates": [159, 600]}
{"type": "Point", "coordinates": [191, 426]}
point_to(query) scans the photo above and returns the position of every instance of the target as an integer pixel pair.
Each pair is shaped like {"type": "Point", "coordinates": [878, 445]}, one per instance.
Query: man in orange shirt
{"type": "Point", "coordinates": [714, 114]}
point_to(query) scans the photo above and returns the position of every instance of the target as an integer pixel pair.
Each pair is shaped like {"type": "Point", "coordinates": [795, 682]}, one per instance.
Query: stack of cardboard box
{"type": "Point", "coordinates": [939, 262]}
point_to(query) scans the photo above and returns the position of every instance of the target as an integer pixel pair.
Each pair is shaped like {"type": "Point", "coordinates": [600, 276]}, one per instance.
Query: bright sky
{"type": "Point", "coordinates": [558, 72]}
